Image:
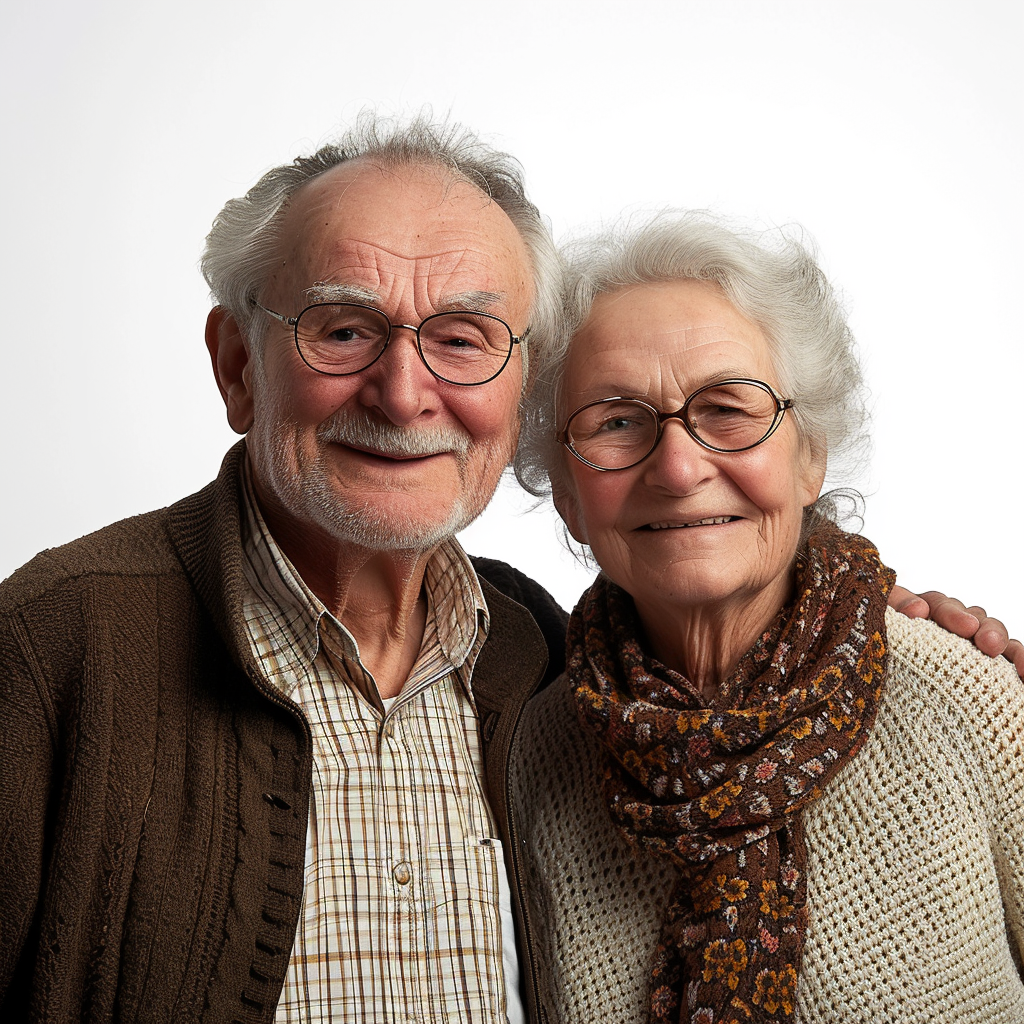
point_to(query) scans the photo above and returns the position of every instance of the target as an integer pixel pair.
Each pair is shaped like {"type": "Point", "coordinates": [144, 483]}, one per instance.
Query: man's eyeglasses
{"type": "Point", "coordinates": [341, 338]}
{"type": "Point", "coordinates": [728, 416]}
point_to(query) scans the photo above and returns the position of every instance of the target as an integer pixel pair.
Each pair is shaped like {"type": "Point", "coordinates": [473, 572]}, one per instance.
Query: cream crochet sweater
{"type": "Point", "coordinates": [916, 856]}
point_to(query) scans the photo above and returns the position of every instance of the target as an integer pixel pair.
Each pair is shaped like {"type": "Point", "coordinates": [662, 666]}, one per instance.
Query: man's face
{"type": "Point", "coordinates": [390, 457]}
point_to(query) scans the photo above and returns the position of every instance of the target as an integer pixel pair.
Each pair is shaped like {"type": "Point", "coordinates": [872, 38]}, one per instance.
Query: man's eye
{"type": "Point", "coordinates": [458, 340]}
{"type": "Point", "coordinates": [345, 335]}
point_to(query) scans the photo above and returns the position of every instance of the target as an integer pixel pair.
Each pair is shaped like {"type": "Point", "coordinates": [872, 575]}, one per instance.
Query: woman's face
{"type": "Point", "coordinates": [687, 527]}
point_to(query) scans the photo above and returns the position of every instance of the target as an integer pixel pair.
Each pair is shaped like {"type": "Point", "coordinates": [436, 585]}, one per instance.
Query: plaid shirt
{"type": "Point", "coordinates": [400, 918]}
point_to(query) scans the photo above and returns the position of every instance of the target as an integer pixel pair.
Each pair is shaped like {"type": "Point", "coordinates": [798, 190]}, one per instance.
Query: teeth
{"type": "Point", "coordinates": [711, 521]}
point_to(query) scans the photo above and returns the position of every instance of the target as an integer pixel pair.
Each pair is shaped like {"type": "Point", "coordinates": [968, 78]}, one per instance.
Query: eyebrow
{"type": "Point", "coordinates": [324, 291]}
{"type": "Point", "coordinates": [469, 301]}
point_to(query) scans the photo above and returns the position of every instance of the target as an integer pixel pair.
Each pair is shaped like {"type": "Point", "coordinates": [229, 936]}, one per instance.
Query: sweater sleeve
{"type": "Point", "coordinates": [1001, 727]}
{"type": "Point", "coordinates": [986, 697]}
{"type": "Point", "coordinates": [26, 766]}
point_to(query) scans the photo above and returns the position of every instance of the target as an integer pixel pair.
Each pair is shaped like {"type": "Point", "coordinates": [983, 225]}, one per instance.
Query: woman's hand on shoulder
{"type": "Point", "coordinates": [989, 635]}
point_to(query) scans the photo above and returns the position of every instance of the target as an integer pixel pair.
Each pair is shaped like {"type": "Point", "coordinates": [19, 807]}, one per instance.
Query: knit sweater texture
{"type": "Point", "coordinates": [916, 856]}
{"type": "Point", "coordinates": [154, 790]}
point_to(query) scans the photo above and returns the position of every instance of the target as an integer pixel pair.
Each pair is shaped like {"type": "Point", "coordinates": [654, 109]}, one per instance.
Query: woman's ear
{"type": "Point", "coordinates": [231, 358]}
{"type": "Point", "coordinates": [811, 473]}
{"type": "Point", "coordinates": [568, 508]}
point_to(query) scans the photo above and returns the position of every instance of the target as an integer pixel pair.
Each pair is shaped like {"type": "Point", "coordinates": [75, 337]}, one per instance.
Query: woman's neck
{"type": "Point", "coordinates": [705, 642]}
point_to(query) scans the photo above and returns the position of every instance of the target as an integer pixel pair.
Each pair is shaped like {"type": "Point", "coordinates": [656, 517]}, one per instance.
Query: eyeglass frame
{"type": "Point", "coordinates": [293, 322]}
{"type": "Point", "coordinates": [781, 405]}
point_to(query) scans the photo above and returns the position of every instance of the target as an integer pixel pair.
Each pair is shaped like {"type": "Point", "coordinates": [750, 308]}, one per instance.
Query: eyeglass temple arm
{"type": "Point", "coordinates": [289, 320]}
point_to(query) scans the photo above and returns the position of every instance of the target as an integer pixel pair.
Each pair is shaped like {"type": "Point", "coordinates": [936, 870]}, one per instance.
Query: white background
{"type": "Point", "coordinates": [892, 131]}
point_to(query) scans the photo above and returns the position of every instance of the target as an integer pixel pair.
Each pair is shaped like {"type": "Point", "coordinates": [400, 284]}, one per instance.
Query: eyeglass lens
{"type": "Point", "coordinates": [462, 347]}
{"type": "Point", "coordinates": [729, 417]}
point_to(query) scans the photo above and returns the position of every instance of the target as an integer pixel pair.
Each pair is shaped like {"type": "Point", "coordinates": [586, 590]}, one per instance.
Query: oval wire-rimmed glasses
{"type": "Point", "coordinates": [727, 416]}
{"type": "Point", "coordinates": [338, 339]}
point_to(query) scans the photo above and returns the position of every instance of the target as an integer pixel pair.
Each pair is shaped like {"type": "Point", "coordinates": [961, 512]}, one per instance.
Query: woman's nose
{"type": "Point", "coordinates": [678, 463]}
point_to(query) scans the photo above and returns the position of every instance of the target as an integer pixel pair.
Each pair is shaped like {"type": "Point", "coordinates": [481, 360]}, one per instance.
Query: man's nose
{"type": "Point", "coordinates": [399, 383]}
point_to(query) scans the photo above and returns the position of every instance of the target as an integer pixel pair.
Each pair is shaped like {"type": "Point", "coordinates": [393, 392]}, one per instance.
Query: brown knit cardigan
{"type": "Point", "coordinates": [154, 792]}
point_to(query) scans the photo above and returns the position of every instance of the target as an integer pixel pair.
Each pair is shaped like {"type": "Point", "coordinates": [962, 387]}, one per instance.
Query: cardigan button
{"type": "Point", "coordinates": [275, 801]}
{"type": "Point", "coordinates": [490, 726]}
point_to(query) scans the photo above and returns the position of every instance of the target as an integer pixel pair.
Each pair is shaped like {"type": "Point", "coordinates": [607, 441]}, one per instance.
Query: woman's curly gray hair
{"type": "Point", "coordinates": [242, 247]}
{"type": "Point", "coordinates": [773, 279]}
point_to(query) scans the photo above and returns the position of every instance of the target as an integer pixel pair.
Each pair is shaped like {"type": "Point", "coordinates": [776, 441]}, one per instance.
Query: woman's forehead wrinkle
{"type": "Point", "coordinates": [707, 333]}
{"type": "Point", "coordinates": [618, 295]}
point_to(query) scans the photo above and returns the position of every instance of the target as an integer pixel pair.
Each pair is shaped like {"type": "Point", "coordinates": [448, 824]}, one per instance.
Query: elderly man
{"type": "Point", "coordinates": [254, 746]}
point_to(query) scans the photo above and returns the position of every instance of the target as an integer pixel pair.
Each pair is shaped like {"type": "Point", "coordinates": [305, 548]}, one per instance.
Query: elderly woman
{"type": "Point", "coordinates": [811, 808]}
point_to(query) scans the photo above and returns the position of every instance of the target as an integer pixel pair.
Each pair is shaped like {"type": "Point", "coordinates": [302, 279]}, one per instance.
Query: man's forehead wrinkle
{"type": "Point", "coordinates": [370, 265]}
{"type": "Point", "coordinates": [455, 252]}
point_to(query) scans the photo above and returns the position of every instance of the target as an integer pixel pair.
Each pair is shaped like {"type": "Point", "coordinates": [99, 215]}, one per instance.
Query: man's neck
{"type": "Point", "coordinates": [381, 601]}
{"type": "Point", "coordinates": [377, 595]}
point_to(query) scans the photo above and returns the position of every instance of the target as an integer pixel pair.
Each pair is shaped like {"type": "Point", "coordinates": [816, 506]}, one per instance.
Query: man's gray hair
{"type": "Point", "coordinates": [773, 279]}
{"type": "Point", "coordinates": [242, 247]}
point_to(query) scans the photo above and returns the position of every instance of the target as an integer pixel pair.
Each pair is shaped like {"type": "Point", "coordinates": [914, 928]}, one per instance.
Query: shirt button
{"type": "Point", "coordinates": [403, 873]}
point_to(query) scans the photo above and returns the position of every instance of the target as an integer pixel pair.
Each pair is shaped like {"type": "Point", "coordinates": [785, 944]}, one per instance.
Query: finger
{"type": "Point", "coordinates": [1015, 652]}
{"type": "Point", "coordinates": [909, 603]}
{"type": "Point", "coordinates": [951, 614]}
{"type": "Point", "coordinates": [992, 636]}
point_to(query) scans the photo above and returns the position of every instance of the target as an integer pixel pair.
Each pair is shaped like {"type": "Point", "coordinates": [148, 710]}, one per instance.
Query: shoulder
{"type": "Point", "coordinates": [515, 584]}
{"type": "Point", "coordinates": [546, 611]}
{"type": "Point", "coordinates": [984, 695]}
{"type": "Point", "coordinates": [147, 545]}
{"type": "Point", "coordinates": [135, 546]}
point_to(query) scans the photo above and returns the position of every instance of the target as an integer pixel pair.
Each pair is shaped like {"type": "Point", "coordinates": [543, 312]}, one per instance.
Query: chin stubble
{"type": "Point", "coordinates": [371, 527]}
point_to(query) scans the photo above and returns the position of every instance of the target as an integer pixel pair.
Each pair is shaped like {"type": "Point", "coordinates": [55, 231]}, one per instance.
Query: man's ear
{"type": "Point", "coordinates": [231, 358]}
{"type": "Point", "coordinates": [568, 508]}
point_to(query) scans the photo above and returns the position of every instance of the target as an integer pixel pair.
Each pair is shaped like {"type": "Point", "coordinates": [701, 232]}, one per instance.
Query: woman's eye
{"type": "Point", "coordinates": [619, 423]}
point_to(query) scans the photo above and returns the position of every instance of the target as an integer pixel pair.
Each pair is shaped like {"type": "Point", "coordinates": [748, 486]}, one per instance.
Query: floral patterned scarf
{"type": "Point", "coordinates": [719, 788]}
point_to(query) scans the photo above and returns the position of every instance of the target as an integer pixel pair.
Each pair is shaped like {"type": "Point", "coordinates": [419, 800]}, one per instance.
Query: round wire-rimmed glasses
{"type": "Point", "coordinates": [727, 416]}
{"type": "Point", "coordinates": [460, 347]}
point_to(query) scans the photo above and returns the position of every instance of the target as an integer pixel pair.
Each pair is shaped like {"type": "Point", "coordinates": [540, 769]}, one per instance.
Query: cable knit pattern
{"type": "Point", "coordinates": [915, 856]}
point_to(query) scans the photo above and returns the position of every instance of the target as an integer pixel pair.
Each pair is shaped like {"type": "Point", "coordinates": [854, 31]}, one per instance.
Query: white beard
{"type": "Point", "coordinates": [312, 495]}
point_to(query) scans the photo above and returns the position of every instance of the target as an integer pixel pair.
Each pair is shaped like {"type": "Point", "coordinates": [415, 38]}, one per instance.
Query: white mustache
{"type": "Point", "coordinates": [389, 439]}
